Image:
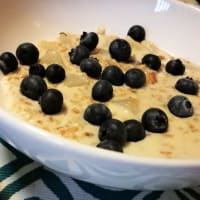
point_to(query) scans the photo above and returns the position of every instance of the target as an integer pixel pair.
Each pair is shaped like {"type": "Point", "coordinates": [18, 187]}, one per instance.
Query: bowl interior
{"type": "Point", "coordinates": [172, 25]}
{"type": "Point", "coordinates": [162, 19]}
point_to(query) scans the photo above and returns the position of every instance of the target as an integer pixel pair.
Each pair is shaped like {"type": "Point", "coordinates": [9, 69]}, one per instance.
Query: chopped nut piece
{"type": "Point", "coordinates": [151, 78]}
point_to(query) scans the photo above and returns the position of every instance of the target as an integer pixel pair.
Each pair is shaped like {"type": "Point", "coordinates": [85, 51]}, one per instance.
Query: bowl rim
{"type": "Point", "coordinates": [88, 150]}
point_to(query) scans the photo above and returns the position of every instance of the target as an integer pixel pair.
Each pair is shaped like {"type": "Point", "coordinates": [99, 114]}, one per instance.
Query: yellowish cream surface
{"type": "Point", "coordinates": [182, 140]}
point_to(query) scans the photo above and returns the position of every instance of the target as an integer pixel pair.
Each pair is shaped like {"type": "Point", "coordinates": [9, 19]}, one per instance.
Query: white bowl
{"type": "Point", "coordinates": [173, 26]}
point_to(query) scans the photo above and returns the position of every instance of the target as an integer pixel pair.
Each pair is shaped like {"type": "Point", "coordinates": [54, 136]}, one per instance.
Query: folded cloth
{"type": "Point", "coordinates": [23, 179]}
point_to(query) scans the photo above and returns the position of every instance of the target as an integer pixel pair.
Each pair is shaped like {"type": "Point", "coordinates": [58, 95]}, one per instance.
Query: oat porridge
{"type": "Point", "coordinates": [181, 137]}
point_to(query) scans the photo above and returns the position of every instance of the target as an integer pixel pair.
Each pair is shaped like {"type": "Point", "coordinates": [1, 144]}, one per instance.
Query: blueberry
{"type": "Point", "coordinates": [8, 62]}
{"type": "Point", "coordinates": [110, 145]}
{"type": "Point", "coordinates": [180, 106]}
{"type": "Point", "coordinates": [113, 129]}
{"type": "Point", "coordinates": [113, 74]}
{"type": "Point", "coordinates": [27, 53]}
{"type": "Point", "coordinates": [120, 50]}
{"type": "Point", "coordinates": [33, 87]}
{"type": "Point", "coordinates": [135, 78]}
{"type": "Point", "coordinates": [175, 67]}
{"type": "Point", "coordinates": [155, 120]}
{"type": "Point", "coordinates": [91, 67]}
{"type": "Point", "coordinates": [90, 40]}
{"type": "Point", "coordinates": [137, 33]}
{"type": "Point", "coordinates": [78, 54]}
{"type": "Point", "coordinates": [135, 130]}
{"type": "Point", "coordinates": [187, 85]}
{"type": "Point", "coordinates": [51, 101]}
{"type": "Point", "coordinates": [55, 73]}
{"type": "Point", "coordinates": [102, 91]}
{"type": "Point", "coordinates": [37, 69]}
{"type": "Point", "coordinates": [152, 61]}
{"type": "Point", "coordinates": [97, 113]}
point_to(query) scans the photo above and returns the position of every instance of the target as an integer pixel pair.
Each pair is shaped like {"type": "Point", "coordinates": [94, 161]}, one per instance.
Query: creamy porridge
{"type": "Point", "coordinates": [182, 139]}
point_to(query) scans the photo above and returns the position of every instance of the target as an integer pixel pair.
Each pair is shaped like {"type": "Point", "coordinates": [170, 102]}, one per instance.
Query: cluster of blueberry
{"type": "Point", "coordinates": [113, 133]}
{"type": "Point", "coordinates": [33, 86]}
